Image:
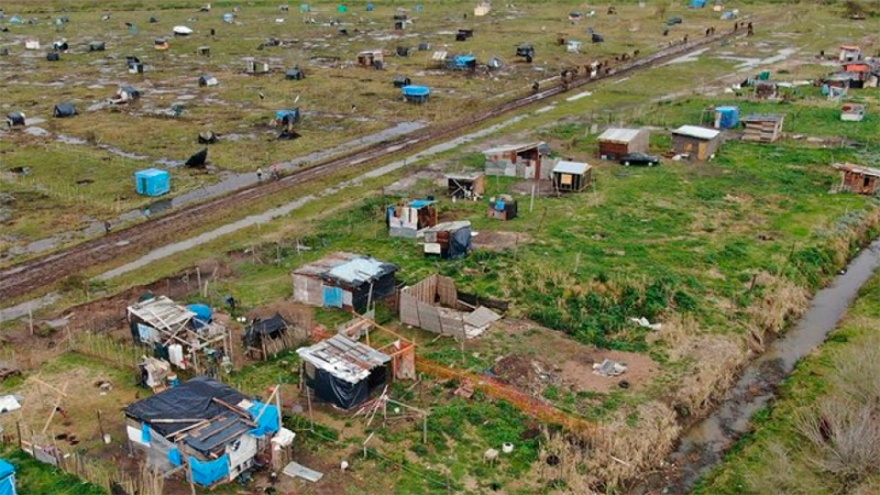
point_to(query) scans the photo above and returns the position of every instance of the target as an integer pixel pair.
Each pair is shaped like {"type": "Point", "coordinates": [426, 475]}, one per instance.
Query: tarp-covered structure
{"type": "Point", "coordinates": [177, 333]}
{"type": "Point", "coordinates": [64, 110]}
{"type": "Point", "coordinates": [263, 333]}
{"type": "Point", "coordinates": [210, 429]}
{"type": "Point", "coordinates": [7, 478]}
{"type": "Point", "coordinates": [15, 119]}
{"type": "Point", "coordinates": [344, 280]}
{"type": "Point", "coordinates": [343, 371]}
{"type": "Point", "coordinates": [448, 240]}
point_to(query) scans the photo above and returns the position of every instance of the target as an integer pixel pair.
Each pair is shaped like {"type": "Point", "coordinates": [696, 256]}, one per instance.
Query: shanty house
{"type": "Point", "coordinates": [448, 240]}
{"type": "Point", "coordinates": [207, 80]}
{"type": "Point", "coordinates": [850, 53]}
{"type": "Point", "coordinates": [696, 143]}
{"type": "Point", "coordinates": [466, 186]}
{"type": "Point", "coordinates": [263, 334]}
{"type": "Point", "coordinates": [528, 161]}
{"type": "Point", "coordinates": [615, 143]}
{"type": "Point", "coordinates": [204, 427]}
{"type": "Point", "coordinates": [344, 280]}
{"type": "Point", "coordinates": [406, 219]}
{"type": "Point", "coordinates": [184, 335]}
{"type": "Point", "coordinates": [571, 176]}
{"type": "Point", "coordinates": [433, 304]}
{"type": "Point", "coordinates": [504, 207]}
{"type": "Point", "coordinates": [763, 128]}
{"type": "Point", "coordinates": [401, 81]}
{"type": "Point", "coordinates": [126, 94]}
{"type": "Point", "coordinates": [859, 74]}
{"type": "Point", "coordinates": [858, 179]}
{"type": "Point", "coordinates": [160, 44]}
{"type": "Point", "coordinates": [152, 182]}
{"type": "Point", "coordinates": [342, 371]}
{"type": "Point", "coordinates": [64, 110]}
{"type": "Point", "coordinates": [462, 62]}
{"type": "Point", "coordinates": [97, 46]}
{"type": "Point", "coordinates": [852, 112]}
{"type": "Point", "coordinates": [371, 58]}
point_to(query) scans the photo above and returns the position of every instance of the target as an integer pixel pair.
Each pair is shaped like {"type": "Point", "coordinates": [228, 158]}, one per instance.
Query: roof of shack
{"type": "Point", "coordinates": [343, 358]}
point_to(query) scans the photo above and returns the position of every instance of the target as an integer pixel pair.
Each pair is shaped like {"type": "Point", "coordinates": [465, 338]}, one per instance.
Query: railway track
{"type": "Point", "coordinates": [22, 278]}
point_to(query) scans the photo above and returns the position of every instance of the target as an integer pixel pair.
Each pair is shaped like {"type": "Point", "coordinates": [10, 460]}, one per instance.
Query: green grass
{"type": "Point", "coordinates": [751, 464]}
{"type": "Point", "coordinates": [32, 476]}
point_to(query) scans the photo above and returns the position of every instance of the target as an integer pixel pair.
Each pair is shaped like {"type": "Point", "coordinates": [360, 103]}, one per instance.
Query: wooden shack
{"type": "Point", "coordinates": [696, 143]}
{"type": "Point", "coordinates": [571, 176]}
{"type": "Point", "coordinates": [615, 143]}
{"type": "Point", "coordinates": [858, 179]}
{"type": "Point", "coordinates": [527, 161]}
{"type": "Point", "coordinates": [466, 186]}
{"type": "Point", "coordinates": [371, 58]}
{"type": "Point", "coordinates": [762, 128]}
{"type": "Point", "coordinates": [850, 53]}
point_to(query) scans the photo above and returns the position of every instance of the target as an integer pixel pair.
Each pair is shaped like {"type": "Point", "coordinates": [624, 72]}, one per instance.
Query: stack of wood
{"type": "Point", "coordinates": [763, 128]}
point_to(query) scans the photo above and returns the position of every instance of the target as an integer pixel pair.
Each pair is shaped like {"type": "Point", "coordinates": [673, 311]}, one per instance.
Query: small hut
{"type": "Point", "coordinates": [852, 112]}
{"type": "Point", "coordinates": [695, 142]}
{"type": "Point", "coordinates": [152, 182]}
{"type": "Point", "coordinates": [401, 81]}
{"type": "Point", "coordinates": [504, 207]}
{"type": "Point", "coordinates": [344, 372]}
{"type": "Point", "coordinates": [295, 74]}
{"type": "Point", "coordinates": [858, 179]}
{"type": "Point", "coordinates": [344, 280]}
{"type": "Point", "coordinates": [207, 80]}
{"type": "Point", "coordinates": [726, 117]}
{"type": "Point", "coordinates": [615, 143]}
{"type": "Point", "coordinates": [252, 66]}
{"type": "Point", "coordinates": [406, 219]}
{"type": "Point", "coordinates": [97, 46]}
{"type": "Point", "coordinates": [762, 128]}
{"type": "Point", "coordinates": [416, 94]}
{"type": "Point", "coordinates": [466, 186]}
{"type": "Point", "coordinates": [571, 176]}
{"type": "Point", "coordinates": [14, 119]}
{"type": "Point", "coordinates": [371, 58]}
{"type": "Point", "coordinates": [64, 110]}
{"type": "Point", "coordinates": [160, 44]}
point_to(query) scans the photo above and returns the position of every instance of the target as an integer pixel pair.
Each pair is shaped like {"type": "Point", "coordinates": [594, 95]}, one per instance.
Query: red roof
{"type": "Point", "coordinates": [857, 68]}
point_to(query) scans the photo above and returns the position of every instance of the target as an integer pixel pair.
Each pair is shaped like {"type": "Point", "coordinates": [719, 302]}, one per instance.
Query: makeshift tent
{"type": "Point", "coordinates": [97, 46]}
{"type": "Point", "coordinates": [7, 478]}
{"type": "Point", "coordinates": [127, 93]}
{"type": "Point", "coordinates": [228, 17]}
{"type": "Point", "coordinates": [204, 315]}
{"type": "Point", "coordinates": [260, 329]}
{"type": "Point", "coordinates": [207, 137]}
{"type": "Point", "coordinates": [464, 62]}
{"type": "Point", "coordinates": [295, 74]}
{"type": "Point", "coordinates": [60, 46]}
{"type": "Point", "coordinates": [152, 182]}
{"type": "Point", "coordinates": [343, 371]}
{"type": "Point", "coordinates": [504, 207]}
{"type": "Point", "coordinates": [406, 219]}
{"type": "Point", "coordinates": [495, 63]}
{"type": "Point", "coordinates": [15, 118]}
{"type": "Point", "coordinates": [370, 7]}
{"type": "Point", "coordinates": [182, 31]}
{"type": "Point", "coordinates": [153, 20]}
{"type": "Point", "coordinates": [416, 94]}
{"type": "Point", "coordinates": [53, 57]}
{"type": "Point", "coordinates": [63, 110]}
{"type": "Point", "coordinates": [160, 44]}
{"type": "Point", "coordinates": [199, 160]}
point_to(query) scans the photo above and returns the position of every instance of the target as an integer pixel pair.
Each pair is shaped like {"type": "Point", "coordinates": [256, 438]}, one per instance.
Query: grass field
{"type": "Point", "coordinates": [838, 385]}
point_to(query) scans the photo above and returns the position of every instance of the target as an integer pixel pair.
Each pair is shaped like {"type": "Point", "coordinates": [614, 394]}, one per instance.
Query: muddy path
{"type": "Point", "coordinates": [706, 442]}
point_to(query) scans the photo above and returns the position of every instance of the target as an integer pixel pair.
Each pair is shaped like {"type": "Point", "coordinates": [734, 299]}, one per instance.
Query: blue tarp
{"type": "Point", "coordinates": [203, 314]}
{"type": "Point", "coordinates": [269, 422]}
{"type": "Point", "coordinates": [696, 4]}
{"type": "Point", "coordinates": [727, 117]}
{"type": "Point", "coordinates": [145, 433]}
{"type": "Point", "coordinates": [416, 90]}
{"type": "Point", "coordinates": [209, 472]}
{"type": "Point", "coordinates": [370, 7]}
{"type": "Point", "coordinates": [152, 182]}
{"type": "Point", "coordinates": [7, 478]}
{"type": "Point", "coordinates": [228, 17]}
{"type": "Point", "coordinates": [421, 203]}
{"type": "Point", "coordinates": [464, 60]}
{"type": "Point", "coordinates": [174, 457]}
{"type": "Point", "coordinates": [333, 297]}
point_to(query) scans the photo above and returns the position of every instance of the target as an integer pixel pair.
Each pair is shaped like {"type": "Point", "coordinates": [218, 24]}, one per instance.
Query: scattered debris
{"type": "Point", "coordinates": [608, 368]}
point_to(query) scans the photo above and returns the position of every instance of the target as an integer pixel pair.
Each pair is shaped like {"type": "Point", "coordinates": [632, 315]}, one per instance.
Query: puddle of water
{"type": "Point", "coordinates": [704, 445]}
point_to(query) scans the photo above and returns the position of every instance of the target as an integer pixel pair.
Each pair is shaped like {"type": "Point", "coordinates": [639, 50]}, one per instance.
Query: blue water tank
{"type": "Point", "coordinates": [152, 182]}
{"type": "Point", "coordinates": [726, 117]}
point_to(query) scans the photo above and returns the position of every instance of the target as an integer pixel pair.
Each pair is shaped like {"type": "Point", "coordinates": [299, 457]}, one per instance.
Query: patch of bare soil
{"type": "Point", "coordinates": [542, 188]}
{"type": "Point", "coordinates": [526, 374]}
{"type": "Point", "coordinates": [496, 240]}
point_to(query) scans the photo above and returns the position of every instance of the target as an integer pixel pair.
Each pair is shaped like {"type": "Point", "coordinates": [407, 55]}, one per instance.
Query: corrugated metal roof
{"type": "Point", "coordinates": [343, 358]}
{"type": "Point", "coordinates": [508, 148]}
{"type": "Point", "coordinates": [696, 132]}
{"type": "Point", "coordinates": [448, 226]}
{"type": "Point", "coordinates": [577, 168]}
{"type": "Point", "coordinates": [358, 271]}
{"type": "Point", "coordinates": [858, 169]}
{"type": "Point", "coordinates": [619, 135]}
{"type": "Point", "coordinates": [161, 312]}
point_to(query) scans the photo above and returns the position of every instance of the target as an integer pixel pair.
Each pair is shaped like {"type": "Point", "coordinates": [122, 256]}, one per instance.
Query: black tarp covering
{"type": "Point", "coordinates": [15, 118]}
{"type": "Point", "coordinates": [459, 243]}
{"type": "Point", "coordinates": [342, 393]}
{"type": "Point", "coordinates": [192, 399]}
{"type": "Point", "coordinates": [198, 160]}
{"type": "Point", "coordinates": [271, 328]}
{"type": "Point", "coordinates": [383, 286]}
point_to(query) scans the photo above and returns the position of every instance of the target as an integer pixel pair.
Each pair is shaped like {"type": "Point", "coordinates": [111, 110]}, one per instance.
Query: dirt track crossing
{"type": "Point", "coordinates": [20, 279]}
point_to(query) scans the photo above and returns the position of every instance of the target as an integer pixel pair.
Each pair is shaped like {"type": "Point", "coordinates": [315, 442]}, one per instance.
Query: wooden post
{"type": "Point", "coordinates": [425, 428]}
{"type": "Point", "coordinates": [100, 425]}
{"type": "Point", "coordinates": [31, 319]}
{"type": "Point", "coordinates": [311, 416]}
{"type": "Point", "coordinates": [199, 277]}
